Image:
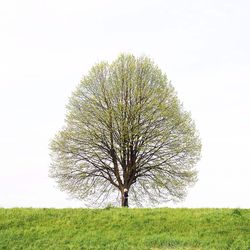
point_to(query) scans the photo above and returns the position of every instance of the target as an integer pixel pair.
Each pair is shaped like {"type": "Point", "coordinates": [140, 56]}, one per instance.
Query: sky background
{"type": "Point", "coordinates": [47, 46]}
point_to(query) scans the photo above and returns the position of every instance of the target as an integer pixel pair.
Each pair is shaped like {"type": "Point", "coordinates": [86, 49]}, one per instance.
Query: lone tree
{"type": "Point", "coordinates": [126, 129]}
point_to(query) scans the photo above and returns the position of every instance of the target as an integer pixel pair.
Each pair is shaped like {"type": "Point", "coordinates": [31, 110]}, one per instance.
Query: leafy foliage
{"type": "Point", "coordinates": [125, 128]}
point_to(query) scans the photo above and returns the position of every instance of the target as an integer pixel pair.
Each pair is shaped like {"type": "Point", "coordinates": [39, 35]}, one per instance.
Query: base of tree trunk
{"type": "Point", "coordinates": [124, 202]}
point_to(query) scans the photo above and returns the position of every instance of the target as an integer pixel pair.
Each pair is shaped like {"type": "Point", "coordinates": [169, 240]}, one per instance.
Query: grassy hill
{"type": "Point", "coordinates": [118, 228]}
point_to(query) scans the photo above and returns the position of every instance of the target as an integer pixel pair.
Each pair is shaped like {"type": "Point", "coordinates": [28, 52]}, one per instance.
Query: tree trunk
{"type": "Point", "coordinates": [124, 201]}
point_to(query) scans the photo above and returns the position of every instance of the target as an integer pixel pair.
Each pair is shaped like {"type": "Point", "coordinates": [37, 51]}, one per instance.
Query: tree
{"type": "Point", "coordinates": [126, 129]}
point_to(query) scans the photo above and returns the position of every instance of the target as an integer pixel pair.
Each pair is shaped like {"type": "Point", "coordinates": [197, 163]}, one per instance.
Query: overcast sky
{"type": "Point", "coordinates": [47, 46]}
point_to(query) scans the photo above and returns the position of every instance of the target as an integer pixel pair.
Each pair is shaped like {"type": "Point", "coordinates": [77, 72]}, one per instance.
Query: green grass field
{"type": "Point", "coordinates": [121, 228]}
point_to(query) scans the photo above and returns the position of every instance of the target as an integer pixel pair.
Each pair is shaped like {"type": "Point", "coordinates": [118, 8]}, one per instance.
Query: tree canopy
{"type": "Point", "coordinates": [126, 129]}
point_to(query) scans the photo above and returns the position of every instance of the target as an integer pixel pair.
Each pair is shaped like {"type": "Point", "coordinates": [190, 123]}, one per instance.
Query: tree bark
{"type": "Point", "coordinates": [124, 200]}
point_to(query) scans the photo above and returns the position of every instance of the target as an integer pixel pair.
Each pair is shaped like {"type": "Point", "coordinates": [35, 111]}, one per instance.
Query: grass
{"type": "Point", "coordinates": [121, 228]}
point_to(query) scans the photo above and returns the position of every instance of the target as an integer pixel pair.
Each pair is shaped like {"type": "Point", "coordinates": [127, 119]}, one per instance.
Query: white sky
{"type": "Point", "coordinates": [46, 46]}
